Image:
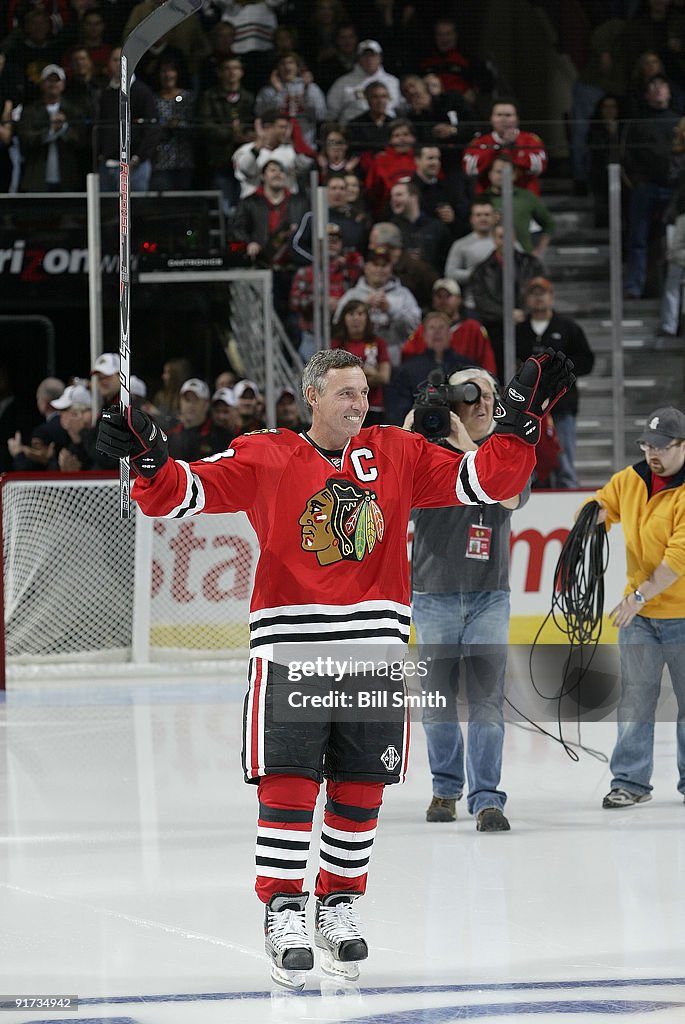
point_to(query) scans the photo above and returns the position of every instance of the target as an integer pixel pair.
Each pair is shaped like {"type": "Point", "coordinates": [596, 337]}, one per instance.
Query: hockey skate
{"type": "Point", "coordinates": [337, 935]}
{"type": "Point", "coordinates": [285, 939]}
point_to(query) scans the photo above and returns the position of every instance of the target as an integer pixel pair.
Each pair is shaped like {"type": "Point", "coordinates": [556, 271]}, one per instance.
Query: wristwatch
{"type": "Point", "coordinates": [640, 598]}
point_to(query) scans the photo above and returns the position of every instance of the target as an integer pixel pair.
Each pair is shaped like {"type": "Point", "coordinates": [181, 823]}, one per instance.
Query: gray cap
{"type": "Point", "coordinates": [663, 426]}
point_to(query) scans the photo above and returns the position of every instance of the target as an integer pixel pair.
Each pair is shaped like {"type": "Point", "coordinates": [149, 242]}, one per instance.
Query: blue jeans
{"type": "Point", "coordinates": [476, 628]}
{"type": "Point", "coordinates": [670, 298]}
{"type": "Point", "coordinates": [565, 425]}
{"type": "Point", "coordinates": [647, 204]}
{"type": "Point", "coordinates": [646, 645]}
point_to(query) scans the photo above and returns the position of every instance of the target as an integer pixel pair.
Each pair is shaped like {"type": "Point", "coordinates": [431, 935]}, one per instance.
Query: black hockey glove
{"type": "Point", "coordinates": [135, 436]}
{"type": "Point", "coordinates": [532, 393]}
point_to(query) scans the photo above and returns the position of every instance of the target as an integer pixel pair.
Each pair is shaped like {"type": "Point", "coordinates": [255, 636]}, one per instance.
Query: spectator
{"type": "Point", "coordinates": [648, 143]}
{"type": "Point", "coordinates": [392, 307]}
{"type": "Point", "coordinates": [174, 159]}
{"type": "Point", "coordinates": [320, 29]}
{"type": "Point", "coordinates": [344, 270]}
{"type": "Point", "coordinates": [274, 139]}
{"type": "Point", "coordinates": [249, 399]}
{"type": "Point", "coordinates": [472, 249]}
{"type": "Point", "coordinates": [604, 143]}
{"type": "Point", "coordinates": [456, 71]}
{"type": "Point", "coordinates": [446, 197]}
{"type": "Point", "coordinates": [144, 132]}
{"type": "Point", "coordinates": [369, 132]}
{"type": "Point", "coordinates": [27, 54]}
{"type": "Point", "coordinates": [346, 97]}
{"type": "Point", "coordinates": [354, 332]}
{"type": "Point", "coordinates": [671, 299]}
{"type": "Point", "coordinates": [334, 157]}
{"type": "Point", "coordinates": [436, 355]}
{"type": "Point", "coordinates": [74, 407]}
{"type": "Point", "coordinates": [6, 139]}
{"type": "Point", "coordinates": [267, 221]}
{"type": "Point", "coordinates": [460, 607]}
{"type": "Point", "coordinates": [398, 27]}
{"type": "Point", "coordinates": [84, 83]}
{"type": "Point", "coordinates": [255, 25]}
{"type": "Point", "coordinates": [288, 415]}
{"type": "Point", "coordinates": [88, 33]}
{"type": "Point", "coordinates": [47, 437]}
{"type": "Point", "coordinates": [395, 162]}
{"type": "Point", "coordinates": [52, 137]}
{"type": "Point", "coordinates": [441, 120]}
{"type": "Point", "coordinates": [106, 371]}
{"type": "Point", "coordinates": [422, 235]}
{"type": "Point", "coordinates": [526, 149]}
{"type": "Point", "coordinates": [341, 60]}
{"type": "Point", "coordinates": [353, 231]}
{"type": "Point", "coordinates": [224, 410]}
{"type": "Point", "coordinates": [292, 92]}
{"type": "Point", "coordinates": [528, 210]}
{"type": "Point", "coordinates": [167, 399]}
{"type": "Point", "coordinates": [544, 327]}
{"type": "Point", "coordinates": [357, 206]}
{"type": "Point", "coordinates": [226, 379]}
{"type": "Point", "coordinates": [409, 269]}
{"type": "Point", "coordinates": [221, 40]}
{"type": "Point", "coordinates": [467, 337]}
{"type": "Point", "coordinates": [196, 436]}
{"type": "Point", "coordinates": [486, 288]}
{"type": "Point", "coordinates": [225, 113]}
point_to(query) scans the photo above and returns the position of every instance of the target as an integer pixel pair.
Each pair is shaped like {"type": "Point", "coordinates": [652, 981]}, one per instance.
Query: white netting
{"type": "Point", "coordinates": [84, 588]}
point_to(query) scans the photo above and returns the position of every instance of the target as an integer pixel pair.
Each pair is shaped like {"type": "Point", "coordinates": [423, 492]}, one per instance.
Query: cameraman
{"type": "Point", "coordinates": [438, 355]}
{"type": "Point", "coordinates": [460, 601]}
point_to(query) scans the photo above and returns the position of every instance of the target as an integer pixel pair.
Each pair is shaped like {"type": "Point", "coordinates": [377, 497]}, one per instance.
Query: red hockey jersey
{"type": "Point", "coordinates": [333, 541]}
{"type": "Point", "coordinates": [527, 155]}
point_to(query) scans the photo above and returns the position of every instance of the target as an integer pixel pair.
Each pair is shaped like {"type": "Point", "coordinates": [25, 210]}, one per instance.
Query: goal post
{"type": "Point", "coordinates": [87, 593]}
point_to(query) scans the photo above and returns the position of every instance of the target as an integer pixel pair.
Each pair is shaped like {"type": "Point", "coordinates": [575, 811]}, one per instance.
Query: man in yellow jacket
{"type": "Point", "coordinates": [648, 499]}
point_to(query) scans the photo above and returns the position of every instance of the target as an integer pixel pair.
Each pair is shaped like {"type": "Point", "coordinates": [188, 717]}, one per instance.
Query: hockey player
{"type": "Point", "coordinates": [330, 507]}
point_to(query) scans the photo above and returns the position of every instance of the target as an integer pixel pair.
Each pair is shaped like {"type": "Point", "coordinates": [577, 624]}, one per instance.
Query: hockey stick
{"type": "Point", "coordinates": [143, 36]}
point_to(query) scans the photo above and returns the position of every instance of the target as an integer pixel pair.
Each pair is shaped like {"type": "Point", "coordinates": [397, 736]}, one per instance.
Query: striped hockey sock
{"type": "Point", "coordinates": [349, 829]}
{"type": "Point", "coordinates": [284, 829]}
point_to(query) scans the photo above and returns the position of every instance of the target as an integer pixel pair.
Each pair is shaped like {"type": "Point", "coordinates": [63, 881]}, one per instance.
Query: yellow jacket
{"type": "Point", "coordinates": [654, 532]}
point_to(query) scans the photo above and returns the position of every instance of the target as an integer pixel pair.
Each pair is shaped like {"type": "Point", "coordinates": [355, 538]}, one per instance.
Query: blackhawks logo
{"type": "Point", "coordinates": [341, 521]}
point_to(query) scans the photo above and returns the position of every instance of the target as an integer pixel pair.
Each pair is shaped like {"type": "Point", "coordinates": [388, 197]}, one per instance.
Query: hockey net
{"type": "Point", "coordinates": [85, 592]}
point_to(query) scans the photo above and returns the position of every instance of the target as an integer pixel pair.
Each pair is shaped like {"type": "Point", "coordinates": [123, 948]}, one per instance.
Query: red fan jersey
{"type": "Point", "coordinates": [333, 531]}
{"type": "Point", "coordinates": [527, 155]}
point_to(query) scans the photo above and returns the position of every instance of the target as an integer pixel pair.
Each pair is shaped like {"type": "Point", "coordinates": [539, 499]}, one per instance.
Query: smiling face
{"type": "Point", "coordinates": [338, 410]}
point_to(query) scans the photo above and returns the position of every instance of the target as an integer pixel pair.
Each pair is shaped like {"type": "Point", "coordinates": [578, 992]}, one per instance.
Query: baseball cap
{"type": "Point", "coordinates": [381, 254]}
{"type": "Point", "coordinates": [196, 387]}
{"type": "Point", "coordinates": [106, 364]}
{"type": "Point", "coordinates": [286, 393]}
{"type": "Point", "coordinates": [448, 284]}
{"type": "Point", "coordinates": [367, 45]}
{"type": "Point", "coordinates": [662, 426]}
{"type": "Point", "coordinates": [137, 387]}
{"type": "Point", "coordinates": [242, 386]}
{"type": "Point", "coordinates": [539, 282]}
{"type": "Point", "coordinates": [74, 394]}
{"type": "Point", "coordinates": [53, 69]}
{"type": "Point", "coordinates": [333, 229]}
{"type": "Point", "coordinates": [225, 395]}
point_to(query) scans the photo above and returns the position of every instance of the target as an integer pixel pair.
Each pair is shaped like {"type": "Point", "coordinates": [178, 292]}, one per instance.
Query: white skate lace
{"type": "Point", "coordinates": [287, 929]}
{"type": "Point", "coordinates": [339, 923]}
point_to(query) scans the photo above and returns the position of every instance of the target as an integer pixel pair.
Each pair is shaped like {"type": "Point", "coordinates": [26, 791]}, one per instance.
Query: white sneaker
{"type": "Point", "coordinates": [337, 934]}
{"type": "Point", "coordinates": [285, 939]}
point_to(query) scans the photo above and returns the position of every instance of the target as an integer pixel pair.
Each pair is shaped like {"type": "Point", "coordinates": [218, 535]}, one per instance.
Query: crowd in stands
{"type": "Point", "coordinates": [410, 134]}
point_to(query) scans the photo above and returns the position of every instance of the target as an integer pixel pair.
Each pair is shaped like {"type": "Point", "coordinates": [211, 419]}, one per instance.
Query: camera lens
{"type": "Point", "coordinates": [471, 393]}
{"type": "Point", "coordinates": [432, 422]}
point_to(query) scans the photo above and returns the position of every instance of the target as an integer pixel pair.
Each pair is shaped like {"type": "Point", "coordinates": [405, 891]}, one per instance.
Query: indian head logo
{"type": "Point", "coordinates": [341, 522]}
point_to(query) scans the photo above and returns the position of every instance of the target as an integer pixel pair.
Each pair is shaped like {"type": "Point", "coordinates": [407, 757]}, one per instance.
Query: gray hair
{"type": "Point", "coordinates": [388, 234]}
{"type": "Point", "coordinates": [471, 373]}
{"type": "Point", "coordinates": [314, 373]}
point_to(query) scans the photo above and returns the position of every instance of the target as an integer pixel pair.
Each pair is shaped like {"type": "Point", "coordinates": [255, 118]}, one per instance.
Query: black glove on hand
{"type": "Point", "coordinates": [532, 393]}
{"type": "Point", "coordinates": [135, 436]}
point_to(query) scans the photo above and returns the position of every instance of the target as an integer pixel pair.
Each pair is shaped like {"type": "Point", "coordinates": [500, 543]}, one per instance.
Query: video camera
{"type": "Point", "coordinates": [432, 404]}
